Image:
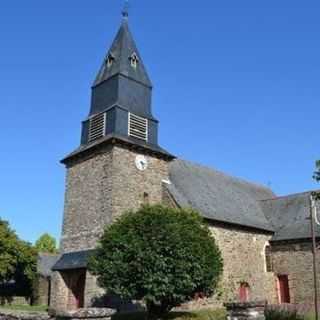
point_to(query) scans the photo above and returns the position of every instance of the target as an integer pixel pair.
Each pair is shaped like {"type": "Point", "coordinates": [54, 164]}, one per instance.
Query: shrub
{"type": "Point", "coordinates": [18, 262]}
{"type": "Point", "coordinates": [160, 255]}
{"type": "Point", "coordinates": [288, 312]}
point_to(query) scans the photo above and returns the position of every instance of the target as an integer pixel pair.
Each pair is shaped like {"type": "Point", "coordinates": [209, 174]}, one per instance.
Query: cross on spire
{"type": "Point", "coordinates": [125, 10]}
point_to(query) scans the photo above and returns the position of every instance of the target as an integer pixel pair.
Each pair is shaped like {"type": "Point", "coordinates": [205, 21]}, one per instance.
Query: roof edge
{"type": "Point", "coordinates": [293, 195]}
{"type": "Point", "coordinates": [114, 139]}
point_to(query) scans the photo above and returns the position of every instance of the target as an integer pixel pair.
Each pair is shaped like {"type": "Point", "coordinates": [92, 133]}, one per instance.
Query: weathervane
{"type": "Point", "coordinates": [125, 10]}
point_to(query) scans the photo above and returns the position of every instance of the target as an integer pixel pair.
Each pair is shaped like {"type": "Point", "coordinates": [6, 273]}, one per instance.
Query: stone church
{"type": "Point", "coordinates": [119, 165]}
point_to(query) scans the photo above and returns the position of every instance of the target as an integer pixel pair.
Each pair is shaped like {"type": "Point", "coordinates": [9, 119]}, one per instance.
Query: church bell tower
{"type": "Point", "coordinates": [118, 166]}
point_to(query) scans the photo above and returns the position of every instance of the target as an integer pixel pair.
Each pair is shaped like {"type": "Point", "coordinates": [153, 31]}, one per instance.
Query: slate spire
{"type": "Point", "coordinates": [119, 57]}
{"type": "Point", "coordinates": [122, 79]}
{"type": "Point", "coordinates": [122, 95]}
{"type": "Point", "coordinates": [121, 101]}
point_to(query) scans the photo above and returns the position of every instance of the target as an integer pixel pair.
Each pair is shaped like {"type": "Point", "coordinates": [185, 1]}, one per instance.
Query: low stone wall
{"type": "Point", "coordinates": [20, 315]}
{"type": "Point", "coordinates": [14, 300]}
{"type": "Point", "coordinates": [86, 314]}
{"type": "Point", "coordinates": [246, 310]}
{"type": "Point", "coordinates": [81, 314]}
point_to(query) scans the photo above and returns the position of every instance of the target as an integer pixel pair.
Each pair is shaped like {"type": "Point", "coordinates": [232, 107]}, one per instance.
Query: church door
{"type": "Point", "coordinates": [79, 290]}
{"type": "Point", "coordinates": [244, 292]}
{"type": "Point", "coordinates": [284, 290]}
{"type": "Point", "coordinates": [77, 280]}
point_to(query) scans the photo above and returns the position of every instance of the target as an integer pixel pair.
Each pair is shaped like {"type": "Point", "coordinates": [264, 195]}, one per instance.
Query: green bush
{"type": "Point", "coordinates": [160, 255]}
{"type": "Point", "coordinates": [18, 263]}
{"type": "Point", "coordinates": [282, 314]}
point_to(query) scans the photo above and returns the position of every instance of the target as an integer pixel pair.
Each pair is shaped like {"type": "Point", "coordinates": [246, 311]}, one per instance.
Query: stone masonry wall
{"type": "Point", "coordinates": [100, 188]}
{"type": "Point", "coordinates": [130, 186]}
{"type": "Point", "coordinates": [59, 291]}
{"type": "Point", "coordinates": [295, 260]}
{"type": "Point", "coordinates": [87, 201]}
{"type": "Point", "coordinates": [43, 290]}
{"type": "Point", "coordinates": [243, 252]}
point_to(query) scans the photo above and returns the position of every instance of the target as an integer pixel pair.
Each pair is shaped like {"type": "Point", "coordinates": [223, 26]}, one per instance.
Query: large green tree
{"type": "Point", "coordinates": [317, 172]}
{"type": "Point", "coordinates": [46, 244]}
{"type": "Point", "coordinates": [18, 260]}
{"type": "Point", "coordinates": [160, 255]}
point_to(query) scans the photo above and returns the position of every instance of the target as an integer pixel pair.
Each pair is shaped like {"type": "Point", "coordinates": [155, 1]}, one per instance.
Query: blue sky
{"type": "Point", "coordinates": [236, 87]}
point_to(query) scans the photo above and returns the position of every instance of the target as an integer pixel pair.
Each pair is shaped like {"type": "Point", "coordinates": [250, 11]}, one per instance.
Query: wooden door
{"type": "Point", "coordinates": [79, 290]}
{"type": "Point", "coordinates": [244, 292]}
{"type": "Point", "coordinates": [284, 290]}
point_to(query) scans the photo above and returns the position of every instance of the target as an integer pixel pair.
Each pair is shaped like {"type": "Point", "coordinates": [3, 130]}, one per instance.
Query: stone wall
{"type": "Point", "coordinates": [87, 201]}
{"type": "Point", "coordinates": [12, 300]}
{"type": "Point", "coordinates": [243, 252]}
{"type": "Point", "coordinates": [92, 292]}
{"type": "Point", "coordinates": [43, 291]}
{"type": "Point", "coordinates": [101, 187]}
{"type": "Point", "coordinates": [23, 315]}
{"type": "Point", "coordinates": [131, 187]}
{"type": "Point", "coordinates": [82, 314]}
{"type": "Point", "coordinates": [59, 291]}
{"type": "Point", "coordinates": [295, 261]}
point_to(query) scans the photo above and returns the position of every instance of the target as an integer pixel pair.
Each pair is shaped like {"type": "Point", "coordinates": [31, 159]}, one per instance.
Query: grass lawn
{"type": "Point", "coordinates": [17, 307]}
{"type": "Point", "coordinates": [217, 314]}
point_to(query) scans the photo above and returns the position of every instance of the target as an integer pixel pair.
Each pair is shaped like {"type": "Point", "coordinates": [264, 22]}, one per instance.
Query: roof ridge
{"type": "Point", "coordinates": [291, 195]}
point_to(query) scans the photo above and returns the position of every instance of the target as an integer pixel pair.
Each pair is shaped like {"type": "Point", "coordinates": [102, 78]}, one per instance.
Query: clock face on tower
{"type": "Point", "coordinates": [141, 162]}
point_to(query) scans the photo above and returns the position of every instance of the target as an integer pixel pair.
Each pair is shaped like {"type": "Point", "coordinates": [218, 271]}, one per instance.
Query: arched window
{"type": "Point", "coordinates": [244, 292]}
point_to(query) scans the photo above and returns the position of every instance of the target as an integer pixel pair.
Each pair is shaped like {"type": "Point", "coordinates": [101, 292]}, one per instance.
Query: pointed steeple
{"type": "Point", "coordinates": [121, 97]}
{"type": "Point", "coordinates": [119, 58]}
{"type": "Point", "coordinates": [122, 79]}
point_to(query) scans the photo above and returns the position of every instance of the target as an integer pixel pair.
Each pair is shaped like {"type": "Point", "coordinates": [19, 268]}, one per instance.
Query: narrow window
{"type": "Point", "coordinates": [138, 127]}
{"type": "Point", "coordinates": [283, 289]}
{"type": "Point", "coordinates": [268, 257]}
{"type": "Point", "coordinates": [146, 198]}
{"type": "Point", "coordinates": [244, 291]}
{"type": "Point", "coordinates": [97, 126]}
{"type": "Point", "coordinates": [134, 60]}
{"type": "Point", "coordinates": [109, 60]}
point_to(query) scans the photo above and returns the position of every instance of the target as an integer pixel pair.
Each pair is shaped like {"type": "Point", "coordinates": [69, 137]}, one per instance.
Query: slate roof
{"type": "Point", "coordinates": [289, 216]}
{"type": "Point", "coordinates": [217, 196]}
{"type": "Point", "coordinates": [45, 264]}
{"type": "Point", "coordinates": [72, 260]}
{"type": "Point", "coordinates": [121, 50]}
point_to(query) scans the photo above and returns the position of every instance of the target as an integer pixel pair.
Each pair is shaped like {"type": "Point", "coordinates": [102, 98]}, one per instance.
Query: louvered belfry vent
{"type": "Point", "coordinates": [138, 127]}
{"type": "Point", "coordinates": [97, 126]}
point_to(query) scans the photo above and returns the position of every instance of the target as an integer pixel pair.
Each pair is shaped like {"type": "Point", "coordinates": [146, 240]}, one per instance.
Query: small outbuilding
{"type": "Point", "coordinates": [44, 266]}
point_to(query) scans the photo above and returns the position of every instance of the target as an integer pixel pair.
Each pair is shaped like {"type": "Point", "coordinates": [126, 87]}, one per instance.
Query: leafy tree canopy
{"type": "Point", "coordinates": [316, 175]}
{"type": "Point", "coordinates": [46, 244]}
{"type": "Point", "coordinates": [18, 260]}
{"type": "Point", "coordinates": [161, 255]}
